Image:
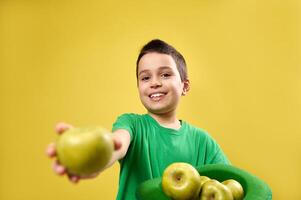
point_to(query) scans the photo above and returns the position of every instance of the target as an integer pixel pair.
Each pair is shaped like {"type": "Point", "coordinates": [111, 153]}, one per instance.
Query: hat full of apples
{"type": "Point", "coordinates": [182, 181]}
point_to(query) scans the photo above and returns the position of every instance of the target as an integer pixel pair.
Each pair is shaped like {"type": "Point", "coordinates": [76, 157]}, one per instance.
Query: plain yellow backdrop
{"type": "Point", "coordinates": [74, 61]}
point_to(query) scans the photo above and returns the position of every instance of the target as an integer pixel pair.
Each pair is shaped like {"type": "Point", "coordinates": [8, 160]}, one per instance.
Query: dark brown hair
{"type": "Point", "coordinates": [159, 46]}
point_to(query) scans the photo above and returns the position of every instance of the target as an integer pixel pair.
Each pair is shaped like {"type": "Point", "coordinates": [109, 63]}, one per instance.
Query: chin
{"type": "Point", "coordinates": [159, 111]}
{"type": "Point", "coordinates": [155, 111]}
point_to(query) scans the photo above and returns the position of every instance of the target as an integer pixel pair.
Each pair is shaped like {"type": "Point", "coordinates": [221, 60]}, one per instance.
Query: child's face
{"type": "Point", "coordinates": [159, 83]}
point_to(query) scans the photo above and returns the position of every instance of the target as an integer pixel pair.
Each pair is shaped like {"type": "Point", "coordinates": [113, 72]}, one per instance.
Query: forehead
{"type": "Point", "coordinates": [153, 61]}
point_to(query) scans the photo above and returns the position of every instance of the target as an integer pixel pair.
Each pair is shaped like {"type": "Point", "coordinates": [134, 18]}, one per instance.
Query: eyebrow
{"type": "Point", "coordinates": [160, 68]}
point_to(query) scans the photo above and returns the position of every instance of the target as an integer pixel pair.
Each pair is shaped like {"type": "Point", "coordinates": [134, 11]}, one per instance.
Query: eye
{"type": "Point", "coordinates": [166, 75]}
{"type": "Point", "coordinates": [145, 78]}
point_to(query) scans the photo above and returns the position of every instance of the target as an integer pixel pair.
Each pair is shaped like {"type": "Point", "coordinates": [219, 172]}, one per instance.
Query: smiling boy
{"type": "Point", "coordinates": [146, 144]}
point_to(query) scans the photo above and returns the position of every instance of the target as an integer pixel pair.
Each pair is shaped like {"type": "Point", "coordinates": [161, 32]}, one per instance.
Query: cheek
{"type": "Point", "coordinates": [178, 88]}
{"type": "Point", "coordinates": [141, 89]}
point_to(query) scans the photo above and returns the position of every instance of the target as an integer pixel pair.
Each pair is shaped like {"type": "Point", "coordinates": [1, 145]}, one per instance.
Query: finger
{"type": "Point", "coordinates": [50, 151]}
{"type": "Point", "coordinates": [59, 169]}
{"type": "Point", "coordinates": [117, 144]}
{"type": "Point", "coordinates": [73, 178]}
{"type": "Point", "coordinates": [61, 127]}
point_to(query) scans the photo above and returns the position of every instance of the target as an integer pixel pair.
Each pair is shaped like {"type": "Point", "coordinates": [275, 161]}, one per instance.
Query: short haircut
{"type": "Point", "coordinates": [159, 46]}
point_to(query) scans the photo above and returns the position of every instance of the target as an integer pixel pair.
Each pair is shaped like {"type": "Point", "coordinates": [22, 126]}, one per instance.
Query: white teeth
{"type": "Point", "coordinates": [156, 95]}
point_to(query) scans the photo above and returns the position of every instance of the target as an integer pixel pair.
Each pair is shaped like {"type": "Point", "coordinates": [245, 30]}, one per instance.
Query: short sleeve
{"type": "Point", "coordinates": [214, 153]}
{"type": "Point", "coordinates": [127, 122]}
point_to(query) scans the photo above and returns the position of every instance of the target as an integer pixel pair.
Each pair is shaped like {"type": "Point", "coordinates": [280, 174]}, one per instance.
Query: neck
{"type": "Point", "coordinates": [168, 120]}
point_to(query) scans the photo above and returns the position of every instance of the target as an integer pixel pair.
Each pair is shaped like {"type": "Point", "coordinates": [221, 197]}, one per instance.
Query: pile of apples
{"type": "Point", "coordinates": [181, 181]}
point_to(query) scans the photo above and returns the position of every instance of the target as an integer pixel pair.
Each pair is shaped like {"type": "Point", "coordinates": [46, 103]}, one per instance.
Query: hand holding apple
{"type": "Point", "coordinates": [85, 151]}
{"type": "Point", "coordinates": [72, 162]}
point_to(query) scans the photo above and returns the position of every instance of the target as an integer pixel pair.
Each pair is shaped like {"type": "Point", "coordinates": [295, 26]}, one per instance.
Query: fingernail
{"type": "Point", "coordinates": [74, 179]}
{"type": "Point", "coordinates": [60, 169]}
{"type": "Point", "coordinates": [59, 127]}
{"type": "Point", "coordinates": [50, 151]}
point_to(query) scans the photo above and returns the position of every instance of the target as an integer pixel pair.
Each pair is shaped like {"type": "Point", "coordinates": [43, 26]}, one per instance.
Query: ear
{"type": "Point", "coordinates": [186, 87]}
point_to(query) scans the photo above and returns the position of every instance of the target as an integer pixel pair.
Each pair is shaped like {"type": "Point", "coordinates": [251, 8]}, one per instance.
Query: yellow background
{"type": "Point", "coordinates": [74, 61]}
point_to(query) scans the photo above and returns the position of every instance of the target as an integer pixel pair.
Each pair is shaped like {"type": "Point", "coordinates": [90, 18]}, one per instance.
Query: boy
{"type": "Point", "coordinates": [146, 144]}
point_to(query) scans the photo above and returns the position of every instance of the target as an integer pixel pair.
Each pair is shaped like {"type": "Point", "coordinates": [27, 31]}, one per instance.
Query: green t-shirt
{"type": "Point", "coordinates": [154, 147]}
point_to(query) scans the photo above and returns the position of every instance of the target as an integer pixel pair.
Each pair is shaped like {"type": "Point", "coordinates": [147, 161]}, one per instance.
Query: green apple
{"type": "Point", "coordinates": [214, 190]}
{"type": "Point", "coordinates": [204, 179]}
{"type": "Point", "coordinates": [236, 189]}
{"type": "Point", "coordinates": [181, 181]}
{"type": "Point", "coordinates": [84, 151]}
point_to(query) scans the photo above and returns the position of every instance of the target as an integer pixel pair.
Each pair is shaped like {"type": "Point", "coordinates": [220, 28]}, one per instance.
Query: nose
{"type": "Point", "coordinates": [155, 83]}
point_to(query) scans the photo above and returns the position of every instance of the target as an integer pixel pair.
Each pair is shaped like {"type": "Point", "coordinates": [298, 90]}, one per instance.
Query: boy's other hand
{"type": "Point", "coordinates": [60, 170]}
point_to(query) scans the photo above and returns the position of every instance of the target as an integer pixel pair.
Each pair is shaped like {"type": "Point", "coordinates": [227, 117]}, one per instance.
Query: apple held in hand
{"type": "Point", "coordinates": [235, 188]}
{"type": "Point", "coordinates": [84, 151]}
{"type": "Point", "coordinates": [214, 190]}
{"type": "Point", "coordinates": [181, 181]}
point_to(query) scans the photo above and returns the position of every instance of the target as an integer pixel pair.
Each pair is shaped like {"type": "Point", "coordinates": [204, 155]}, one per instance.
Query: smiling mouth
{"type": "Point", "coordinates": [157, 96]}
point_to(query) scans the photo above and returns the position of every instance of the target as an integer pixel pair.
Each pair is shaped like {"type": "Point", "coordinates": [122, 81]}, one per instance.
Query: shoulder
{"type": "Point", "coordinates": [127, 121]}
{"type": "Point", "coordinates": [196, 130]}
{"type": "Point", "coordinates": [205, 136]}
{"type": "Point", "coordinates": [130, 119]}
